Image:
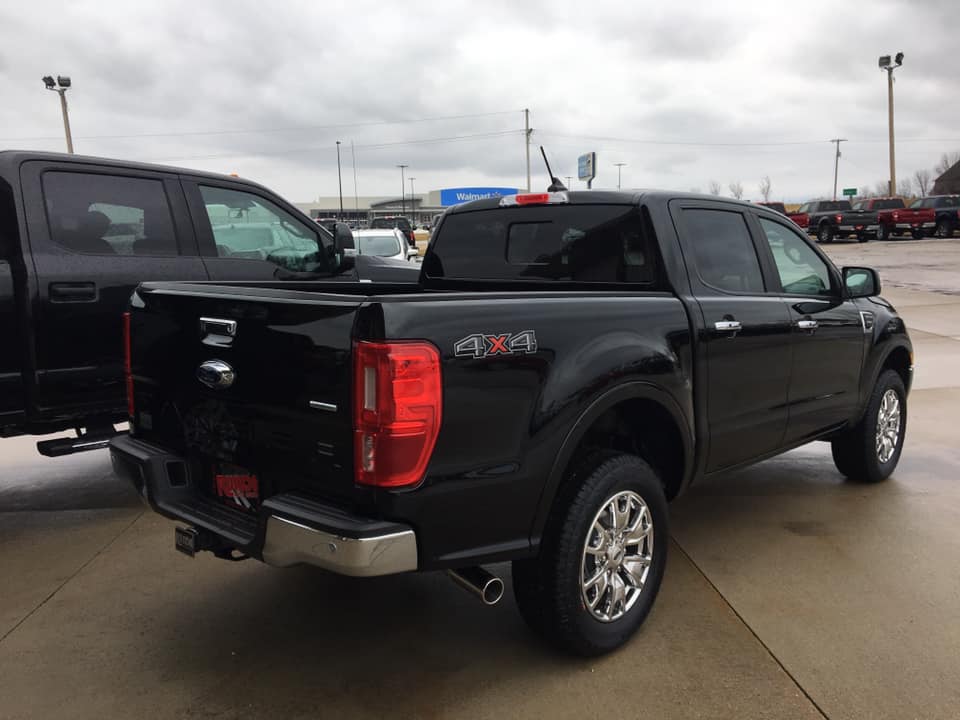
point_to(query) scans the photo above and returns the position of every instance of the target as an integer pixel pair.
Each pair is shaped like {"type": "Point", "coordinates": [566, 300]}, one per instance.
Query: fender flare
{"type": "Point", "coordinates": [611, 397]}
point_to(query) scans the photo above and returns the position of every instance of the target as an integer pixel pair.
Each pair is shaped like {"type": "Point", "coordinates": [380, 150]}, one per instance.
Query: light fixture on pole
{"type": "Point", "coordinates": [619, 167]}
{"type": "Point", "coordinates": [339, 181]}
{"type": "Point", "coordinates": [886, 64]}
{"type": "Point", "coordinates": [403, 190]}
{"type": "Point", "coordinates": [413, 202]}
{"type": "Point", "coordinates": [60, 86]}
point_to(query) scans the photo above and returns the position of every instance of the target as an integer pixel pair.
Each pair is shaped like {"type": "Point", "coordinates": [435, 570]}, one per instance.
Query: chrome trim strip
{"type": "Point", "coordinates": [317, 405]}
{"type": "Point", "coordinates": [291, 543]}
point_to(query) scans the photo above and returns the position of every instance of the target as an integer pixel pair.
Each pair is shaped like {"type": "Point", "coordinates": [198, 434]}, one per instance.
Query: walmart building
{"type": "Point", "coordinates": [420, 208]}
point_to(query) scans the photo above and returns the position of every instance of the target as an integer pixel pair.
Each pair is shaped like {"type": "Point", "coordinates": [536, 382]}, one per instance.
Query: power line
{"type": "Point", "coordinates": [698, 143]}
{"type": "Point", "coordinates": [372, 146]}
{"type": "Point", "coordinates": [270, 130]}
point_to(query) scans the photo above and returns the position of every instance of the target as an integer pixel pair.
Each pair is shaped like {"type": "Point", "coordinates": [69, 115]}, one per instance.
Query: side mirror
{"type": "Point", "coordinates": [412, 252]}
{"type": "Point", "coordinates": [343, 247]}
{"type": "Point", "coordinates": [861, 282]}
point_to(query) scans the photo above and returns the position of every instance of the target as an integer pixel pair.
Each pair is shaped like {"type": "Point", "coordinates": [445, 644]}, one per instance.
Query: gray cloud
{"type": "Point", "coordinates": [595, 76]}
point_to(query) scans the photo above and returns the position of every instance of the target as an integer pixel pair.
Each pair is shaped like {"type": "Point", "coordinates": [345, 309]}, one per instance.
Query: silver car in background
{"type": "Point", "coordinates": [385, 243]}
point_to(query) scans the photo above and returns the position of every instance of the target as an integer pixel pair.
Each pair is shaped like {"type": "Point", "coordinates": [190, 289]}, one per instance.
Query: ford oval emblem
{"type": "Point", "coordinates": [216, 374]}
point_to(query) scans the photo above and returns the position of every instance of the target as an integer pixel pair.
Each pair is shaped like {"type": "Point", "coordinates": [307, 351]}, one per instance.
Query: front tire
{"type": "Point", "coordinates": [602, 557]}
{"type": "Point", "coordinates": [870, 451]}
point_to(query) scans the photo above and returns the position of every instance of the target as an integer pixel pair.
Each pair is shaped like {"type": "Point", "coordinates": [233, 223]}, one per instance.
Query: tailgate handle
{"type": "Point", "coordinates": [217, 326]}
{"type": "Point", "coordinates": [73, 292]}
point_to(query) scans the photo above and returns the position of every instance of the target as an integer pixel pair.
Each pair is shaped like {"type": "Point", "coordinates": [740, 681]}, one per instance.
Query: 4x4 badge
{"type": "Point", "coordinates": [483, 345]}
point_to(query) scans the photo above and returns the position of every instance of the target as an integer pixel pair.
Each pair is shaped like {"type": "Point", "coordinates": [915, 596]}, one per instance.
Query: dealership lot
{"type": "Point", "coordinates": [789, 593]}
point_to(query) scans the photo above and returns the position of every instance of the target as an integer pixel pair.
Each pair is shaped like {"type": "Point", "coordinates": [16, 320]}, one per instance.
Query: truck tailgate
{"type": "Point", "coordinates": [285, 414]}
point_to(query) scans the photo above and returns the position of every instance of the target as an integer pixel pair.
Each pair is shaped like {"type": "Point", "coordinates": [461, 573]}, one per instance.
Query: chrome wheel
{"type": "Point", "coordinates": [888, 425]}
{"type": "Point", "coordinates": [617, 554]}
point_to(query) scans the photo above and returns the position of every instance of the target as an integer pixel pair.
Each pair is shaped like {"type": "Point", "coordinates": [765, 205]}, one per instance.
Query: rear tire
{"type": "Point", "coordinates": [944, 228]}
{"type": "Point", "coordinates": [863, 237]}
{"type": "Point", "coordinates": [883, 232]}
{"type": "Point", "coordinates": [825, 233]}
{"type": "Point", "coordinates": [870, 451]}
{"type": "Point", "coordinates": [582, 543]}
{"type": "Point", "coordinates": [917, 234]}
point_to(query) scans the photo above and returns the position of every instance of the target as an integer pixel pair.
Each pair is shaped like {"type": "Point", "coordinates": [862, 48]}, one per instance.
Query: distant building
{"type": "Point", "coordinates": [419, 208]}
{"type": "Point", "coordinates": [949, 182]}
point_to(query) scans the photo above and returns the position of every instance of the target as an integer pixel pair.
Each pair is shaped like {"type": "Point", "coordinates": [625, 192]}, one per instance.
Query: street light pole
{"type": "Point", "coordinates": [60, 86]}
{"type": "Point", "coordinates": [569, 180]}
{"type": "Point", "coordinates": [619, 167]}
{"type": "Point", "coordinates": [403, 190]}
{"type": "Point", "coordinates": [413, 203]}
{"type": "Point", "coordinates": [836, 164]}
{"type": "Point", "coordinates": [886, 64]}
{"type": "Point", "coordinates": [339, 180]}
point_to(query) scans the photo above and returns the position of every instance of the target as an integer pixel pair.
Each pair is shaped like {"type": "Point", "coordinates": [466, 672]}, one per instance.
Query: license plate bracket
{"type": "Point", "coordinates": [185, 540]}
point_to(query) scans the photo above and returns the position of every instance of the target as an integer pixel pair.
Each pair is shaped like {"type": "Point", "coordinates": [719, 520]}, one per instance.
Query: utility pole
{"type": "Point", "coordinates": [885, 64]}
{"type": "Point", "coordinates": [403, 190]}
{"type": "Point", "coordinates": [339, 180]}
{"type": "Point", "coordinates": [526, 135]}
{"type": "Point", "coordinates": [413, 203]}
{"type": "Point", "coordinates": [356, 196]}
{"type": "Point", "coordinates": [619, 166]}
{"type": "Point", "coordinates": [60, 86]}
{"type": "Point", "coordinates": [836, 164]}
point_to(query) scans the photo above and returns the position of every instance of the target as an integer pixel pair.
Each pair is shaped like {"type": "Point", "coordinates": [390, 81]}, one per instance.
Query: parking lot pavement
{"type": "Point", "coordinates": [789, 593]}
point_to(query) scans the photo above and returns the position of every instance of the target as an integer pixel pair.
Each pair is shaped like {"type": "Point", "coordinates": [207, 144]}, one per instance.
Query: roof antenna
{"type": "Point", "coordinates": [555, 184]}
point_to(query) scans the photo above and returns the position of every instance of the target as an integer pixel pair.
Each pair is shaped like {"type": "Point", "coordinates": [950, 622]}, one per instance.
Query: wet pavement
{"type": "Point", "coordinates": [789, 593]}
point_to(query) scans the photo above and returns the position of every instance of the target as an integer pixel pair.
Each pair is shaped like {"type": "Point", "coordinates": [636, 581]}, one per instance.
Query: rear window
{"type": "Point", "coordinates": [890, 204]}
{"type": "Point", "coordinates": [569, 243]}
{"type": "Point", "coordinates": [382, 245]}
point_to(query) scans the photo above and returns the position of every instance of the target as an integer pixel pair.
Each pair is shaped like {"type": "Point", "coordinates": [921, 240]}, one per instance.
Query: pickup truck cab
{"type": "Point", "coordinates": [937, 215]}
{"type": "Point", "coordinates": [567, 364]}
{"type": "Point", "coordinates": [77, 235]}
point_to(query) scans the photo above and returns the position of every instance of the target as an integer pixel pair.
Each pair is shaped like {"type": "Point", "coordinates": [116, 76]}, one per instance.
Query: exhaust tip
{"type": "Point", "coordinates": [486, 587]}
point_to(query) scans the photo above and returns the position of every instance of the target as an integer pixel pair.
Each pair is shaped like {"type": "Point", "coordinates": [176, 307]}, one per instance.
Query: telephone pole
{"type": "Point", "coordinates": [339, 181]}
{"type": "Point", "coordinates": [526, 135]}
{"type": "Point", "coordinates": [836, 164]}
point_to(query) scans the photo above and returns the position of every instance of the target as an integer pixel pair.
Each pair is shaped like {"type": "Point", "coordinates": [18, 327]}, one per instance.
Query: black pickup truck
{"type": "Point", "coordinates": [78, 234]}
{"type": "Point", "coordinates": [566, 365]}
{"type": "Point", "coordinates": [824, 218]}
{"type": "Point", "coordinates": [868, 218]}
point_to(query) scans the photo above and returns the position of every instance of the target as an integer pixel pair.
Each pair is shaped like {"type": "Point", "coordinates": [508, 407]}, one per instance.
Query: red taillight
{"type": "Point", "coordinates": [839, 218]}
{"type": "Point", "coordinates": [397, 399]}
{"type": "Point", "coordinates": [896, 216]}
{"type": "Point", "coordinates": [127, 365]}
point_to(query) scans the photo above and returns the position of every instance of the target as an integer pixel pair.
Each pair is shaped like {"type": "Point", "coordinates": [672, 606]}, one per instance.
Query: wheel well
{"type": "Point", "coordinates": [640, 427]}
{"type": "Point", "coordinates": [899, 361]}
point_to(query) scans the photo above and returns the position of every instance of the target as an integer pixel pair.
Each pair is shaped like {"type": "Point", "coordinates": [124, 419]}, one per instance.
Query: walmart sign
{"type": "Point", "coordinates": [455, 196]}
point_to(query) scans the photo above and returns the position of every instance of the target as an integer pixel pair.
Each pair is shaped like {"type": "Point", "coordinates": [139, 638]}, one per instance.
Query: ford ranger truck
{"type": "Point", "coordinates": [567, 364]}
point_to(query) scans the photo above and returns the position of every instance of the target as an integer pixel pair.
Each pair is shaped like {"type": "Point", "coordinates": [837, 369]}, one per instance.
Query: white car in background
{"type": "Point", "coordinates": [385, 243]}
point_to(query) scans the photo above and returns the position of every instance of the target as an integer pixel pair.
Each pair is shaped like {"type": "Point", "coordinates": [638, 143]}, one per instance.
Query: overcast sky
{"type": "Point", "coordinates": [677, 90]}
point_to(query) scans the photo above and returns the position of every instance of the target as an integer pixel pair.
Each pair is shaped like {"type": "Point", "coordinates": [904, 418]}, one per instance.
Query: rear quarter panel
{"type": "Point", "coordinates": [506, 417]}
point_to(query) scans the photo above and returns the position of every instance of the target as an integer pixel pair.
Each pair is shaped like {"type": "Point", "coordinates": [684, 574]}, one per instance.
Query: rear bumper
{"type": "Point", "coordinates": [858, 227]}
{"type": "Point", "coordinates": [916, 226]}
{"type": "Point", "coordinates": [289, 529]}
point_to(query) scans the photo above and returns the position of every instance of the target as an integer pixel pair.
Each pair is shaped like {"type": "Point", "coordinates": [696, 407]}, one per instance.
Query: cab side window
{"type": "Point", "coordinates": [725, 256]}
{"type": "Point", "coordinates": [250, 227]}
{"type": "Point", "coordinates": [801, 270]}
{"type": "Point", "coordinates": [108, 215]}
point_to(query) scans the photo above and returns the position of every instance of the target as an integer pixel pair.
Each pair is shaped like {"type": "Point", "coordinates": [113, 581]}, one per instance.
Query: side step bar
{"type": "Point", "coordinates": [91, 440]}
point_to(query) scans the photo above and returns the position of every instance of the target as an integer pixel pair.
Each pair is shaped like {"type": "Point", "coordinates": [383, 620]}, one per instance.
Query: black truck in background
{"type": "Point", "coordinates": [567, 363]}
{"type": "Point", "coordinates": [78, 234]}
{"type": "Point", "coordinates": [824, 218]}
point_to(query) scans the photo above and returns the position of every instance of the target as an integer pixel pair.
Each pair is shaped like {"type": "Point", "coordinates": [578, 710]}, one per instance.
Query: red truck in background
{"type": "Point", "coordinates": [799, 217]}
{"type": "Point", "coordinates": [937, 215]}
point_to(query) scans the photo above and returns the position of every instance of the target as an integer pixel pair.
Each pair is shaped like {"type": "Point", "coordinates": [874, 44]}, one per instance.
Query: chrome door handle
{"type": "Point", "coordinates": [727, 325]}
{"type": "Point", "coordinates": [807, 324]}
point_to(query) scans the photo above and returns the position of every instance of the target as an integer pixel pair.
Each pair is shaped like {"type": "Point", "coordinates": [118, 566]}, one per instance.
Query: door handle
{"type": "Point", "coordinates": [807, 324]}
{"type": "Point", "coordinates": [73, 292]}
{"type": "Point", "coordinates": [727, 325]}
